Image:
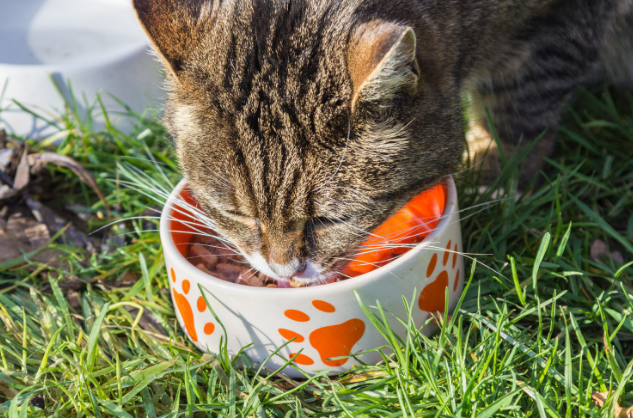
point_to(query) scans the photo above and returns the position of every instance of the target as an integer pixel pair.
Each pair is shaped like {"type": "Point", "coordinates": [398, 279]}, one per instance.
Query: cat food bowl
{"type": "Point", "coordinates": [326, 321]}
{"type": "Point", "coordinates": [97, 45]}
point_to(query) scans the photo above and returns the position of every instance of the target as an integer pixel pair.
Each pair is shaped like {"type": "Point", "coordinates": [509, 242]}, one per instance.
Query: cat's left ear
{"type": "Point", "coordinates": [382, 61]}
{"type": "Point", "coordinates": [175, 27]}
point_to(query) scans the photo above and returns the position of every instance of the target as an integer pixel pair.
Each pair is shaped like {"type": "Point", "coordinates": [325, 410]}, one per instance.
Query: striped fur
{"type": "Point", "coordinates": [302, 124]}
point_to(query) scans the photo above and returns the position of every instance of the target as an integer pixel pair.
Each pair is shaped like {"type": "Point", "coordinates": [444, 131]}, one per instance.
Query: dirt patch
{"type": "Point", "coordinates": [27, 224]}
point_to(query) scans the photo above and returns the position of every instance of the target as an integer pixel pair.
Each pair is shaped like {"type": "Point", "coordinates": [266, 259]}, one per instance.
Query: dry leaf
{"type": "Point", "coordinates": [598, 249]}
{"type": "Point", "coordinates": [38, 235]}
{"type": "Point", "coordinates": [14, 242]}
{"type": "Point", "coordinates": [6, 155]}
{"type": "Point", "coordinates": [128, 279]}
{"type": "Point", "coordinates": [39, 161]}
{"type": "Point", "coordinates": [600, 252]}
{"type": "Point", "coordinates": [22, 174]}
{"type": "Point", "coordinates": [42, 213]}
{"type": "Point", "coordinates": [7, 192]}
{"type": "Point", "coordinates": [56, 223]}
{"type": "Point", "coordinates": [14, 161]}
{"type": "Point", "coordinates": [617, 257]}
{"type": "Point", "coordinates": [8, 392]}
{"type": "Point", "coordinates": [600, 398]}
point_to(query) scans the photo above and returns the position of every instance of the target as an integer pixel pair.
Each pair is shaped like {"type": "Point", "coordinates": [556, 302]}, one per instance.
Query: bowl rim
{"type": "Point", "coordinates": [169, 248]}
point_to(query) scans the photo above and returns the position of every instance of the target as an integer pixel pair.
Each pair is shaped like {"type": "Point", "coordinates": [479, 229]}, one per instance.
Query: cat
{"type": "Point", "coordinates": [300, 125]}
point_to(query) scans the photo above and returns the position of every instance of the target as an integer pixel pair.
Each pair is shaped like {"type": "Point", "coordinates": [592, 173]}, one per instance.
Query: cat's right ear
{"type": "Point", "coordinates": [174, 27]}
{"type": "Point", "coordinates": [382, 61]}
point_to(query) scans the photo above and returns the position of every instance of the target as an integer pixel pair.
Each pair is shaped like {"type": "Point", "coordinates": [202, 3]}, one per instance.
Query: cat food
{"type": "Point", "coordinates": [408, 227]}
{"type": "Point", "coordinates": [211, 256]}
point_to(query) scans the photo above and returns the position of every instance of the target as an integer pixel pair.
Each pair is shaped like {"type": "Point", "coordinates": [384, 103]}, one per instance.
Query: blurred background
{"type": "Point", "coordinates": [89, 55]}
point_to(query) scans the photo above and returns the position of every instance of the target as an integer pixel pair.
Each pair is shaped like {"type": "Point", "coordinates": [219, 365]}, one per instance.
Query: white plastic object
{"type": "Point", "coordinates": [96, 45]}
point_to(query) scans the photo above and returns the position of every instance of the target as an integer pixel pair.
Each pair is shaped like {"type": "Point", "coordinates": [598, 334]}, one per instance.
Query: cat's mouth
{"type": "Point", "coordinates": [310, 274]}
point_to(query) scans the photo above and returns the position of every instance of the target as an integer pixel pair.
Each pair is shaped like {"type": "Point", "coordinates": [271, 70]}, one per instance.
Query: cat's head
{"type": "Point", "coordinates": [302, 125]}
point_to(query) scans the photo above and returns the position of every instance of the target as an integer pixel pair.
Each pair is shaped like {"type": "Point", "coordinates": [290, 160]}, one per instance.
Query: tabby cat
{"type": "Point", "coordinates": [302, 124]}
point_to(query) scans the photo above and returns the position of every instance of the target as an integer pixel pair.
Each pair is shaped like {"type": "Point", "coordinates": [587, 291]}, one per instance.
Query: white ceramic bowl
{"type": "Point", "coordinates": [327, 320]}
{"type": "Point", "coordinates": [96, 44]}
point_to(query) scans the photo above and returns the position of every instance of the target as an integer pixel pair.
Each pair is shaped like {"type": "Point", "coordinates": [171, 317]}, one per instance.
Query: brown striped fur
{"type": "Point", "coordinates": [302, 124]}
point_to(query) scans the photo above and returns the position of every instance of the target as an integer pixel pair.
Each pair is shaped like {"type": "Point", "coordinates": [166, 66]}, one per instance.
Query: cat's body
{"type": "Point", "coordinates": [303, 124]}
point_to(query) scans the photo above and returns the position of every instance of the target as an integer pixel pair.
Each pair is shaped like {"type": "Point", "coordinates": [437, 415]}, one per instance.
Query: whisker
{"type": "Point", "coordinates": [226, 247]}
{"type": "Point", "coordinates": [213, 172]}
{"type": "Point", "coordinates": [131, 218]}
{"type": "Point", "coordinates": [184, 208]}
{"type": "Point", "coordinates": [207, 256]}
{"type": "Point", "coordinates": [153, 161]}
{"type": "Point", "coordinates": [350, 226]}
{"type": "Point", "coordinates": [425, 231]}
{"type": "Point", "coordinates": [439, 249]}
{"type": "Point", "coordinates": [411, 246]}
{"type": "Point", "coordinates": [157, 165]}
{"type": "Point", "coordinates": [135, 232]}
{"type": "Point", "coordinates": [351, 189]}
{"type": "Point", "coordinates": [342, 274]}
{"type": "Point", "coordinates": [364, 263]}
{"type": "Point", "coordinates": [142, 183]}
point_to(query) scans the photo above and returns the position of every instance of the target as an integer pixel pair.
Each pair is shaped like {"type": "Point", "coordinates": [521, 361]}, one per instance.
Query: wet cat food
{"type": "Point", "coordinates": [213, 257]}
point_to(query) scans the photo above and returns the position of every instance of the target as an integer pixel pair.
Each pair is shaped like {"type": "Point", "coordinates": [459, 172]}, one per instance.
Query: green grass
{"type": "Point", "coordinates": [537, 332]}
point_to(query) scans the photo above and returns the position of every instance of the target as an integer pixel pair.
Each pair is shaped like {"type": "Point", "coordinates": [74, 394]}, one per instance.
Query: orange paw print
{"type": "Point", "coordinates": [186, 312]}
{"type": "Point", "coordinates": [433, 296]}
{"type": "Point", "coordinates": [329, 341]}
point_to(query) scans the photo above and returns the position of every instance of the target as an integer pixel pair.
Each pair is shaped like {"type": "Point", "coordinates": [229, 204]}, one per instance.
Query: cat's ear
{"type": "Point", "coordinates": [174, 27]}
{"type": "Point", "coordinates": [382, 61]}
